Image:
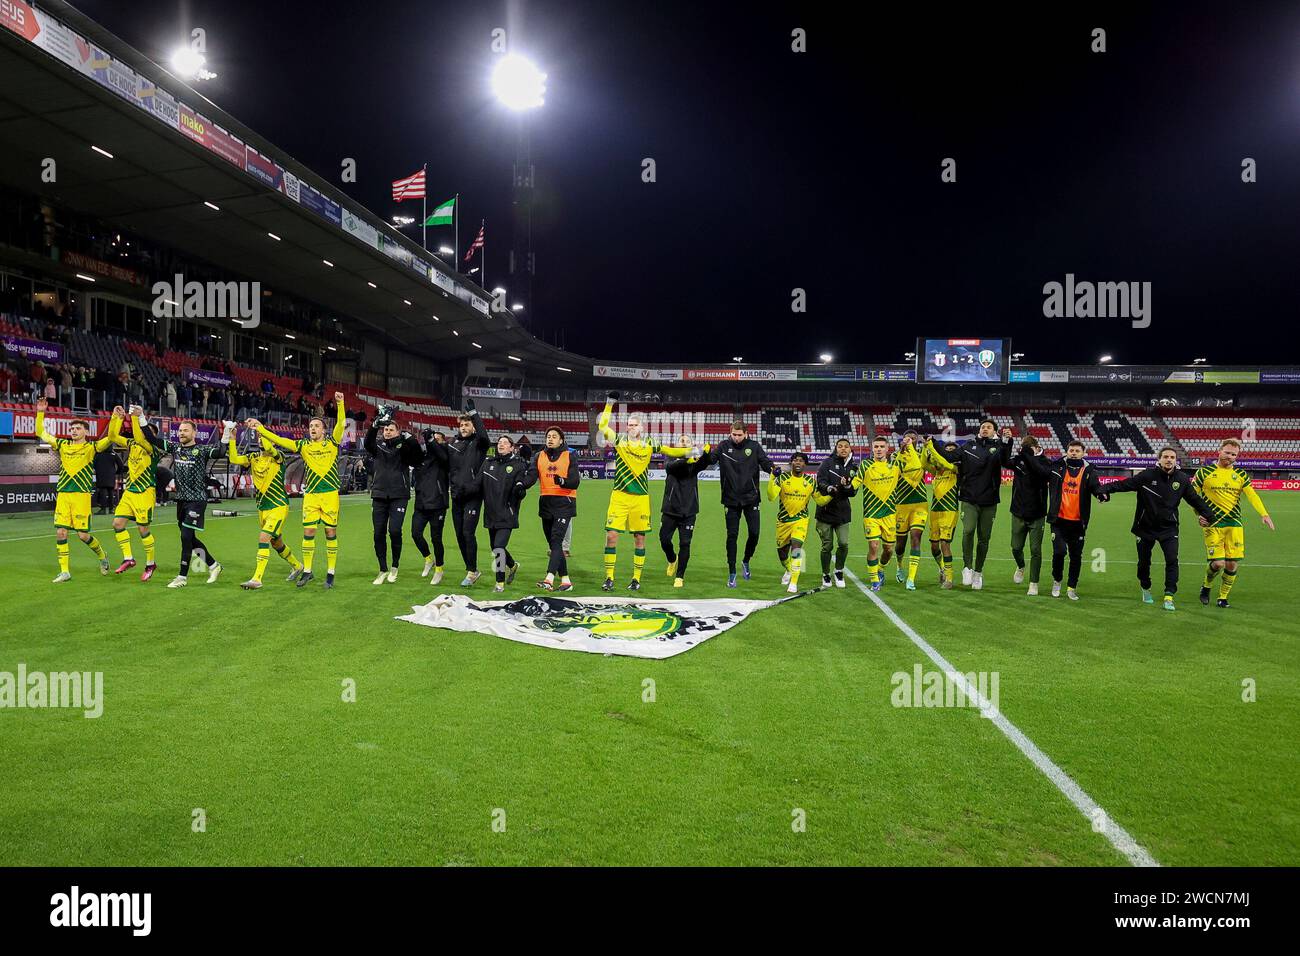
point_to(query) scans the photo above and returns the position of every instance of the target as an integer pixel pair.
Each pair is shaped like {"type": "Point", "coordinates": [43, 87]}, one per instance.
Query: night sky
{"type": "Point", "coordinates": [818, 170]}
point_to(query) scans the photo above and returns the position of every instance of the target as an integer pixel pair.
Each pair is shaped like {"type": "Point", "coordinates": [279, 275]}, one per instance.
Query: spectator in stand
{"type": "Point", "coordinates": [203, 408]}
{"type": "Point", "coordinates": [51, 393]}
{"type": "Point", "coordinates": [169, 398]}
{"type": "Point", "coordinates": [8, 380]}
{"type": "Point", "coordinates": [65, 377]}
{"type": "Point", "coordinates": [38, 373]}
{"type": "Point", "coordinates": [267, 386]}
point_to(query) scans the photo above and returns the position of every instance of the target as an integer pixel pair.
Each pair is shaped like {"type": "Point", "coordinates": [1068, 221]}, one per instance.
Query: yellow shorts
{"type": "Point", "coordinates": [787, 531]}
{"type": "Point", "coordinates": [272, 522]}
{"type": "Point", "coordinates": [942, 525]}
{"type": "Point", "coordinates": [322, 508]}
{"type": "Point", "coordinates": [137, 505]}
{"type": "Point", "coordinates": [911, 516]}
{"type": "Point", "coordinates": [628, 513]}
{"type": "Point", "coordinates": [72, 510]}
{"type": "Point", "coordinates": [1224, 544]}
{"type": "Point", "coordinates": [879, 527]}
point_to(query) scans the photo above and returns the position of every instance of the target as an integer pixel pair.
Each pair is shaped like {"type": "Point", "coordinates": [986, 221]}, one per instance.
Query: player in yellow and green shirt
{"type": "Point", "coordinates": [792, 490]}
{"type": "Point", "coordinates": [629, 502]}
{"type": "Point", "coordinates": [140, 494]}
{"type": "Point", "coordinates": [320, 499]}
{"type": "Point", "coordinates": [1222, 485]}
{"type": "Point", "coordinates": [910, 509]}
{"type": "Point", "coordinates": [878, 479]}
{"type": "Point", "coordinates": [943, 508]}
{"type": "Point", "coordinates": [72, 500]}
{"type": "Point", "coordinates": [265, 467]}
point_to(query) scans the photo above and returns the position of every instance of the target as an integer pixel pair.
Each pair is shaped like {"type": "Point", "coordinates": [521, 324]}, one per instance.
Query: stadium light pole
{"type": "Point", "coordinates": [520, 87]}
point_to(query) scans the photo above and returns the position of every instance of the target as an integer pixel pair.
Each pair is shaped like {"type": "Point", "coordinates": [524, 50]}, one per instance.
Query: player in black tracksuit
{"type": "Point", "coordinates": [503, 480]}
{"type": "Point", "coordinates": [739, 460]}
{"type": "Point", "coordinates": [979, 486]}
{"type": "Point", "coordinates": [430, 481]}
{"type": "Point", "coordinates": [1072, 483]}
{"type": "Point", "coordinates": [677, 514]}
{"type": "Point", "coordinates": [1028, 510]}
{"type": "Point", "coordinates": [555, 469]}
{"type": "Point", "coordinates": [835, 478]}
{"type": "Point", "coordinates": [1155, 518]}
{"type": "Point", "coordinates": [392, 453]}
{"type": "Point", "coordinates": [465, 454]}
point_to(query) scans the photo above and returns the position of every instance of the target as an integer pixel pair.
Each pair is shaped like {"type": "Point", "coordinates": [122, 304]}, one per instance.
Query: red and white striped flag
{"type": "Point", "coordinates": [476, 245]}
{"type": "Point", "coordinates": [412, 187]}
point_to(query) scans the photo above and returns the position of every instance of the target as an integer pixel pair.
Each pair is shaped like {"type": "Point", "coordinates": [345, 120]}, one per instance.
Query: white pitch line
{"type": "Point", "coordinates": [1119, 838]}
{"type": "Point", "coordinates": [1047, 561]}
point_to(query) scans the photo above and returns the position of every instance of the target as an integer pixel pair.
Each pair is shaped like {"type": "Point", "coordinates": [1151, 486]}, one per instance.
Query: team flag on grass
{"type": "Point", "coordinates": [631, 627]}
{"type": "Point", "coordinates": [442, 216]}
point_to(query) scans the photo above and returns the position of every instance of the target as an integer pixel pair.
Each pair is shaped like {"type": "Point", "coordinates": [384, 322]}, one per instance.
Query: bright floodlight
{"type": "Point", "coordinates": [187, 62]}
{"type": "Point", "coordinates": [1104, 359]}
{"type": "Point", "coordinates": [446, 251]}
{"type": "Point", "coordinates": [826, 356]}
{"type": "Point", "coordinates": [738, 358]}
{"type": "Point", "coordinates": [518, 84]}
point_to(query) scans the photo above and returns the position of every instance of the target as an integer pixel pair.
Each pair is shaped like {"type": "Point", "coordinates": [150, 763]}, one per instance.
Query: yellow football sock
{"type": "Point", "coordinates": [148, 542]}
{"type": "Point", "coordinates": [913, 563]}
{"type": "Point", "coordinates": [638, 563]}
{"type": "Point", "coordinates": [611, 559]}
{"type": "Point", "coordinates": [123, 538]}
{"type": "Point", "coordinates": [331, 554]}
{"type": "Point", "coordinates": [94, 545]}
{"type": "Point", "coordinates": [263, 555]}
{"type": "Point", "coordinates": [1229, 579]}
{"type": "Point", "coordinates": [308, 553]}
{"type": "Point", "coordinates": [947, 566]}
{"type": "Point", "coordinates": [62, 548]}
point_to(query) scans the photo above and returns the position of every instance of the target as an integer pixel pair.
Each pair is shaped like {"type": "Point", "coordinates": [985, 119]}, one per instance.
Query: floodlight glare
{"type": "Point", "coordinates": [518, 84]}
{"type": "Point", "coordinates": [187, 62]}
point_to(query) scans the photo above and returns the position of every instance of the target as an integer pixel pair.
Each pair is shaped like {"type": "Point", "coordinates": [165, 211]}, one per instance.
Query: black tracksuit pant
{"type": "Point", "coordinates": [1067, 538]}
{"type": "Point", "coordinates": [434, 521]}
{"type": "Point", "coordinates": [684, 528]}
{"type": "Point", "coordinates": [502, 559]}
{"type": "Point", "coordinates": [554, 530]}
{"type": "Point", "coordinates": [464, 517]}
{"type": "Point", "coordinates": [733, 533]}
{"type": "Point", "coordinates": [387, 515]}
{"type": "Point", "coordinates": [1170, 547]}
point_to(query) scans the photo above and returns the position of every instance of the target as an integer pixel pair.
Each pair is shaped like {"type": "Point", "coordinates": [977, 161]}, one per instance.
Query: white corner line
{"type": "Point", "coordinates": [1119, 838]}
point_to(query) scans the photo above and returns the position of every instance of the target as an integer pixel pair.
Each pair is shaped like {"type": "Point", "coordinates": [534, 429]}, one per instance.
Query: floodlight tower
{"type": "Point", "coordinates": [521, 88]}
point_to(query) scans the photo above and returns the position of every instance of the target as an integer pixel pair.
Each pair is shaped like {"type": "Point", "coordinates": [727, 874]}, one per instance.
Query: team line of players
{"type": "Point", "coordinates": [965, 481]}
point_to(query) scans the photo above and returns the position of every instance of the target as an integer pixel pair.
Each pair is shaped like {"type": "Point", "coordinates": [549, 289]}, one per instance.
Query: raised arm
{"type": "Point", "coordinates": [236, 458]}
{"type": "Point", "coordinates": [41, 433]}
{"type": "Point", "coordinates": [340, 418]}
{"type": "Point", "coordinates": [602, 423]}
{"type": "Point", "coordinates": [288, 444]}
{"type": "Point", "coordinates": [115, 429]}
{"type": "Point", "coordinates": [371, 442]}
{"type": "Point", "coordinates": [138, 433]}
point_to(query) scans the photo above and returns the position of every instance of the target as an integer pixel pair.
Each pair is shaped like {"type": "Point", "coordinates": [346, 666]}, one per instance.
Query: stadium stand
{"type": "Point", "coordinates": [1265, 434]}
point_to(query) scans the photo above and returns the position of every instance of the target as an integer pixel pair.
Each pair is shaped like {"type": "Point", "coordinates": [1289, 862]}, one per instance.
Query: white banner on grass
{"type": "Point", "coordinates": [598, 625]}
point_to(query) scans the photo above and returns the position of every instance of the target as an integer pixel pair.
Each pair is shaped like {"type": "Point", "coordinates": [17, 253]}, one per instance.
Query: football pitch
{"type": "Point", "coordinates": [777, 742]}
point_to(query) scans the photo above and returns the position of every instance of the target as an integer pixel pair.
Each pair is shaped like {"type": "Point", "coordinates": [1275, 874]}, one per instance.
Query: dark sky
{"type": "Point", "coordinates": [818, 170]}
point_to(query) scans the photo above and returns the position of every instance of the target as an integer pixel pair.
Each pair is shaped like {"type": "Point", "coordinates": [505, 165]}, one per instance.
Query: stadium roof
{"type": "Point", "coordinates": [157, 181]}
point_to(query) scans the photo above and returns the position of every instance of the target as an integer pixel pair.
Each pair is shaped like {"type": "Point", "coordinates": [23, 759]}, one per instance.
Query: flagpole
{"type": "Point", "coordinates": [455, 219]}
{"type": "Point", "coordinates": [424, 207]}
{"type": "Point", "coordinates": [482, 251]}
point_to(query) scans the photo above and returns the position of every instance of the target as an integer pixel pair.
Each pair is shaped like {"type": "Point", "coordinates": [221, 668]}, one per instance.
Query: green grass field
{"type": "Point", "coordinates": [230, 701]}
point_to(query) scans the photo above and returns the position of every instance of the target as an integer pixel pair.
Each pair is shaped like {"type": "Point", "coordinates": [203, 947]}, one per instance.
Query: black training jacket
{"type": "Point", "coordinates": [839, 510]}
{"type": "Point", "coordinates": [1054, 473]}
{"type": "Point", "coordinates": [979, 470]}
{"type": "Point", "coordinates": [1028, 488]}
{"type": "Point", "coordinates": [390, 465]}
{"type": "Point", "coordinates": [430, 478]}
{"type": "Point", "coordinates": [681, 487]}
{"type": "Point", "coordinates": [738, 468]}
{"type": "Point", "coordinates": [465, 456]}
{"type": "Point", "coordinates": [1155, 516]}
{"type": "Point", "coordinates": [502, 483]}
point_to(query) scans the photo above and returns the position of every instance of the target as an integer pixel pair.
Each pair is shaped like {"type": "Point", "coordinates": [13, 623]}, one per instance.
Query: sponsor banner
{"type": "Point", "coordinates": [160, 104]}
{"type": "Point", "coordinates": [1184, 376]}
{"type": "Point", "coordinates": [290, 186]}
{"type": "Point", "coordinates": [204, 378]}
{"type": "Point", "coordinates": [629, 627]}
{"type": "Point", "coordinates": [56, 423]}
{"type": "Point", "coordinates": [886, 374]}
{"type": "Point", "coordinates": [355, 225]}
{"type": "Point", "coordinates": [212, 137]}
{"type": "Point", "coordinates": [1252, 464]}
{"type": "Point", "coordinates": [442, 280]}
{"type": "Point", "coordinates": [31, 349]}
{"type": "Point", "coordinates": [476, 391]}
{"type": "Point", "coordinates": [20, 18]}
{"type": "Point", "coordinates": [767, 374]}
{"type": "Point", "coordinates": [616, 371]}
{"type": "Point", "coordinates": [118, 77]}
{"type": "Point", "coordinates": [59, 41]}
{"type": "Point", "coordinates": [96, 267]}
{"type": "Point", "coordinates": [478, 303]}
{"type": "Point", "coordinates": [265, 170]}
{"type": "Point", "coordinates": [1281, 376]}
{"type": "Point", "coordinates": [420, 266]}
{"type": "Point", "coordinates": [1230, 378]}
{"type": "Point", "coordinates": [1118, 376]}
{"type": "Point", "coordinates": [1053, 376]}
{"type": "Point", "coordinates": [822, 374]}
{"type": "Point", "coordinates": [313, 199]}
{"type": "Point", "coordinates": [390, 247]}
{"type": "Point", "coordinates": [712, 374]}
{"type": "Point", "coordinates": [1275, 484]}
{"type": "Point", "coordinates": [20, 493]}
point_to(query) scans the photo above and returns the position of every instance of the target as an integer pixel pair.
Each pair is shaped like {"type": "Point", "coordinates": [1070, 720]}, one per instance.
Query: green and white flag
{"type": "Point", "coordinates": [442, 215]}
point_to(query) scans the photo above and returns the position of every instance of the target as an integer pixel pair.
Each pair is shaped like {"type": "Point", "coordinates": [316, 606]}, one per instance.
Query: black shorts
{"type": "Point", "coordinates": [190, 514]}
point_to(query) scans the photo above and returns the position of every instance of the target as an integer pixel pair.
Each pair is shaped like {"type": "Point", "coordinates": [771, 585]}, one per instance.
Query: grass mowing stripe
{"type": "Point", "coordinates": [1119, 838]}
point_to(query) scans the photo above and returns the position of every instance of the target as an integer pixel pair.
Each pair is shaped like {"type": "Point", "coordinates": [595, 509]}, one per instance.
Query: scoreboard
{"type": "Point", "coordinates": [956, 361]}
